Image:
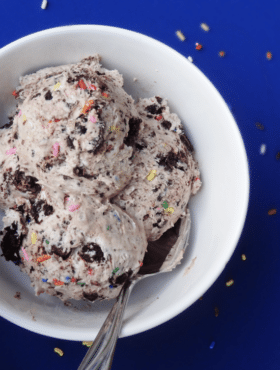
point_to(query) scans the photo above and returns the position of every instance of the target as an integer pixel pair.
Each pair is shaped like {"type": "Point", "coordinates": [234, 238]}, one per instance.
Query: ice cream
{"type": "Point", "coordinates": [91, 182]}
{"type": "Point", "coordinates": [163, 156]}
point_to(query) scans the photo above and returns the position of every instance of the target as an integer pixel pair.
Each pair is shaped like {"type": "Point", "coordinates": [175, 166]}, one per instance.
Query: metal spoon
{"type": "Point", "coordinates": [100, 354]}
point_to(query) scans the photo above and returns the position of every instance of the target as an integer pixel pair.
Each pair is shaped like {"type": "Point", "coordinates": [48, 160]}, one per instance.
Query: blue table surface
{"type": "Point", "coordinates": [246, 331]}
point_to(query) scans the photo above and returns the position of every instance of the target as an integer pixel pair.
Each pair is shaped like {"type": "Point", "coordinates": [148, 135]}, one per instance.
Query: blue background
{"type": "Point", "coordinates": [246, 332]}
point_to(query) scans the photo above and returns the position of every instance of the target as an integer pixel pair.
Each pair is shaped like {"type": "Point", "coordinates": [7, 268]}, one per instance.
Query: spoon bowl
{"type": "Point", "coordinates": [162, 256]}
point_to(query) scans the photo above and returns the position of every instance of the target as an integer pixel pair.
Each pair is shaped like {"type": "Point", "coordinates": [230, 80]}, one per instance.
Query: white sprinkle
{"type": "Point", "coordinates": [205, 27]}
{"type": "Point", "coordinates": [44, 4]}
{"type": "Point", "coordinates": [263, 149]}
{"type": "Point", "coordinates": [190, 59]}
{"type": "Point", "coordinates": [180, 35]}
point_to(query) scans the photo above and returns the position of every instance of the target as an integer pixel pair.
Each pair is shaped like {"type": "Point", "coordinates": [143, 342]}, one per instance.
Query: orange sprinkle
{"type": "Point", "coordinates": [105, 95]}
{"type": "Point", "coordinates": [141, 264]}
{"type": "Point", "coordinates": [158, 118]}
{"type": "Point", "coordinates": [58, 282]}
{"type": "Point", "coordinates": [43, 258]}
{"type": "Point", "coordinates": [81, 84]}
{"type": "Point", "coordinates": [73, 280]}
{"type": "Point", "coordinates": [15, 94]}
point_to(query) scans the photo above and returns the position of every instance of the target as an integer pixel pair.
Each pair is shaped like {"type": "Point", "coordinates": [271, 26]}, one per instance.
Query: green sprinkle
{"type": "Point", "coordinates": [47, 242]}
{"type": "Point", "coordinates": [164, 204]}
{"type": "Point", "coordinates": [82, 284]}
{"type": "Point", "coordinates": [116, 270]}
{"type": "Point", "coordinates": [108, 228]}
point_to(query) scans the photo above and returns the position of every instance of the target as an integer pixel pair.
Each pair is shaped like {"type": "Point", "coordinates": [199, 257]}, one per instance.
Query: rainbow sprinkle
{"type": "Point", "coordinates": [55, 149]}
{"type": "Point", "coordinates": [59, 351]}
{"type": "Point", "coordinates": [58, 282]}
{"type": "Point", "coordinates": [25, 254]}
{"type": "Point", "coordinates": [11, 151]}
{"type": "Point", "coordinates": [45, 257]}
{"type": "Point", "coordinates": [74, 207]}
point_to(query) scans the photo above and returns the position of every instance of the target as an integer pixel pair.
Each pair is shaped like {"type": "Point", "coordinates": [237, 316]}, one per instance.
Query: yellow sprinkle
{"type": "Point", "coordinates": [180, 35]}
{"type": "Point", "coordinates": [230, 282]}
{"type": "Point", "coordinates": [24, 118]}
{"type": "Point", "coordinates": [56, 86]}
{"type": "Point", "coordinates": [88, 344]}
{"type": "Point", "coordinates": [33, 238]}
{"type": "Point", "coordinates": [59, 351]}
{"type": "Point", "coordinates": [169, 210]}
{"type": "Point", "coordinates": [243, 257]}
{"type": "Point", "coordinates": [151, 175]}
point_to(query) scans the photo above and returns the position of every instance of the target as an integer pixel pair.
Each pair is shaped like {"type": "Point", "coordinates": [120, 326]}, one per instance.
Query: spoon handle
{"type": "Point", "coordinates": [101, 353]}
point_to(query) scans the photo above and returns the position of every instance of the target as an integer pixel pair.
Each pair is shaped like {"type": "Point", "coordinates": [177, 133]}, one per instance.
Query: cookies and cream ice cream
{"type": "Point", "coordinates": [90, 181]}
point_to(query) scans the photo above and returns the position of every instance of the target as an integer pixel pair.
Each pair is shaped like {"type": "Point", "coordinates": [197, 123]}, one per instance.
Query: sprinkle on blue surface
{"type": "Point", "coordinates": [44, 280]}
{"type": "Point", "coordinates": [212, 345]}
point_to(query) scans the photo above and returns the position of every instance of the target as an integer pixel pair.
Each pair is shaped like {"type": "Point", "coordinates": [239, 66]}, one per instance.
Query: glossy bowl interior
{"type": "Point", "coordinates": [218, 211]}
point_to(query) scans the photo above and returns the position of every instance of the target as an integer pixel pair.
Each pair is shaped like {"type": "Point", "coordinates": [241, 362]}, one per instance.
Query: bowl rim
{"type": "Point", "coordinates": [167, 314]}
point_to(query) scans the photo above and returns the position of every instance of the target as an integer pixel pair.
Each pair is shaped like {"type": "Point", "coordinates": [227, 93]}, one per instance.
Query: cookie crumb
{"type": "Point", "coordinates": [180, 35]}
{"type": "Point", "coordinates": [88, 344]}
{"type": "Point", "coordinates": [259, 126]}
{"type": "Point", "coordinates": [216, 311]}
{"type": "Point", "coordinates": [272, 211]}
{"type": "Point", "coordinates": [17, 295]}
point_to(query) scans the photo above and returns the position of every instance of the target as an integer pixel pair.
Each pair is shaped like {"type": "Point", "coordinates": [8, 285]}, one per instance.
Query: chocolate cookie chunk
{"type": "Point", "coordinates": [26, 183]}
{"type": "Point", "coordinates": [87, 255]}
{"type": "Point", "coordinates": [11, 243]}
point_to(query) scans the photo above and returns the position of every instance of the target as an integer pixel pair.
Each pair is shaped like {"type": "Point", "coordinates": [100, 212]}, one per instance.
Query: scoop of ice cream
{"type": "Point", "coordinates": [165, 171]}
{"type": "Point", "coordinates": [75, 126]}
{"type": "Point", "coordinates": [88, 178]}
{"type": "Point", "coordinates": [79, 252]}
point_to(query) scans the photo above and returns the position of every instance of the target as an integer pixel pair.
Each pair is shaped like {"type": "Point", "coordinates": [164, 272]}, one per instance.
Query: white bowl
{"type": "Point", "coordinates": [218, 210]}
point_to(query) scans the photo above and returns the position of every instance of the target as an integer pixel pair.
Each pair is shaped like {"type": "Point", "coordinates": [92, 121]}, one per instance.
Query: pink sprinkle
{"type": "Point", "coordinates": [92, 119]}
{"type": "Point", "coordinates": [19, 113]}
{"type": "Point", "coordinates": [11, 151]}
{"type": "Point", "coordinates": [74, 207]}
{"type": "Point", "coordinates": [67, 199]}
{"type": "Point", "coordinates": [55, 149]}
{"type": "Point", "coordinates": [25, 254]}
